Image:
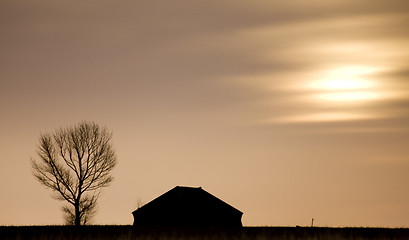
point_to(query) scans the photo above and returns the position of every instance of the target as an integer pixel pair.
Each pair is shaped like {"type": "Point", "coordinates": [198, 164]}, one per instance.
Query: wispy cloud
{"type": "Point", "coordinates": [333, 69]}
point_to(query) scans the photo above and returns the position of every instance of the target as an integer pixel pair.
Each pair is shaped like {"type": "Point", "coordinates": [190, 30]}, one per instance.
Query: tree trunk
{"type": "Point", "coordinates": [77, 213]}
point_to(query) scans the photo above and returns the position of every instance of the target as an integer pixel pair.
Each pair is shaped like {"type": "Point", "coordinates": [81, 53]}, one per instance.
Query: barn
{"type": "Point", "coordinates": [187, 206]}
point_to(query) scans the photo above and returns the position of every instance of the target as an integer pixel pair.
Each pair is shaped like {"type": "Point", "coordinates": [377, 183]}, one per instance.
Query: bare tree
{"type": "Point", "coordinates": [75, 163]}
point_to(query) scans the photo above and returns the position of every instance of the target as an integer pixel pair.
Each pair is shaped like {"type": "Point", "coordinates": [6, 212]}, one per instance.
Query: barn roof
{"type": "Point", "coordinates": [187, 206]}
{"type": "Point", "coordinates": [186, 196]}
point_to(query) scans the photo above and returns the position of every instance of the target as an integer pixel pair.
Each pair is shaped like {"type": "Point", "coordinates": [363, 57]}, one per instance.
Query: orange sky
{"type": "Point", "coordinates": [288, 111]}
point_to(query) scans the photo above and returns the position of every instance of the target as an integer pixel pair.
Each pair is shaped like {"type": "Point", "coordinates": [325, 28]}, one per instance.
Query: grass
{"type": "Point", "coordinates": [127, 232]}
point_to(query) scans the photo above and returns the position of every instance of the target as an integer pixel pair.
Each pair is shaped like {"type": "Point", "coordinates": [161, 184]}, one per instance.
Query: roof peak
{"type": "Point", "coordinates": [188, 187]}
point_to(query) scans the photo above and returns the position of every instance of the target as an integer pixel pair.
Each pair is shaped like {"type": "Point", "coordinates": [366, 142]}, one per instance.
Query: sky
{"type": "Point", "coordinates": [287, 110]}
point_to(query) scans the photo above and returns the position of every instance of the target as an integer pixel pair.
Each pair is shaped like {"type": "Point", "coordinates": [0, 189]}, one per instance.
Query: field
{"type": "Point", "coordinates": [263, 233]}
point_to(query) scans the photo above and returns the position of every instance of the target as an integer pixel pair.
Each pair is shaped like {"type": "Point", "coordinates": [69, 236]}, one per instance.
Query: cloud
{"type": "Point", "coordinates": [173, 53]}
{"type": "Point", "coordinates": [332, 52]}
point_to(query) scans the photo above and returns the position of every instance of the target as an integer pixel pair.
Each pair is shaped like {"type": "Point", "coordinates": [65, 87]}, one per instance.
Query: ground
{"type": "Point", "coordinates": [129, 233]}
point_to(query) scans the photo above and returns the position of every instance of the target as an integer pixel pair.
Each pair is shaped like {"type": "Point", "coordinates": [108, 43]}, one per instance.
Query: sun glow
{"type": "Point", "coordinates": [324, 117]}
{"type": "Point", "coordinates": [339, 94]}
{"type": "Point", "coordinates": [342, 83]}
{"type": "Point", "coordinates": [348, 96]}
{"type": "Point", "coordinates": [345, 84]}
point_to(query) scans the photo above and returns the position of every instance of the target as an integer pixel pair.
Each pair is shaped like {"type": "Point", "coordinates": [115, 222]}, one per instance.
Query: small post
{"type": "Point", "coordinates": [312, 222]}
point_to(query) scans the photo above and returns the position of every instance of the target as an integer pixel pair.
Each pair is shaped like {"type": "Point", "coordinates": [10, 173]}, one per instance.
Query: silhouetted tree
{"type": "Point", "coordinates": [75, 163]}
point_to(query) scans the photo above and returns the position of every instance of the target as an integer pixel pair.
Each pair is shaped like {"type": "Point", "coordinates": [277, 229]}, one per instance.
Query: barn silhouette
{"type": "Point", "coordinates": [187, 207]}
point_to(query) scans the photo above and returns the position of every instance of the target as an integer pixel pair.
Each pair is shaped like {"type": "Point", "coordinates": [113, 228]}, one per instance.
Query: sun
{"type": "Point", "coordinates": [345, 84]}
